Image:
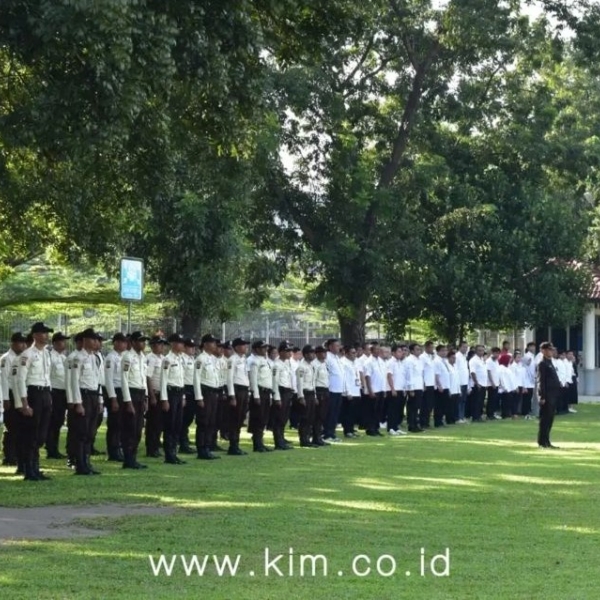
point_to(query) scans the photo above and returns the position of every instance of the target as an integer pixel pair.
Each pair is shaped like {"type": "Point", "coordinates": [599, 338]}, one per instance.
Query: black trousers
{"type": "Point", "coordinates": [206, 418]}
{"type": "Point", "coordinates": [11, 432]}
{"type": "Point", "coordinates": [85, 426]}
{"type": "Point", "coordinates": [33, 430]}
{"type": "Point", "coordinates": [57, 420]}
{"type": "Point", "coordinates": [349, 412]}
{"type": "Point", "coordinates": [394, 410]}
{"type": "Point", "coordinates": [320, 413]}
{"type": "Point", "coordinates": [259, 416]}
{"type": "Point", "coordinates": [547, 412]}
{"type": "Point", "coordinates": [237, 414]}
{"type": "Point", "coordinates": [413, 403]}
{"type": "Point", "coordinates": [452, 408]}
{"type": "Point", "coordinates": [306, 416]}
{"type": "Point", "coordinates": [506, 404]}
{"type": "Point", "coordinates": [222, 416]}
{"type": "Point", "coordinates": [189, 413]}
{"type": "Point", "coordinates": [492, 402]}
{"type": "Point", "coordinates": [132, 424]}
{"type": "Point", "coordinates": [154, 425]}
{"type": "Point", "coordinates": [71, 433]}
{"type": "Point", "coordinates": [427, 403]}
{"type": "Point", "coordinates": [333, 414]}
{"type": "Point", "coordinates": [440, 400]}
{"type": "Point", "coordinates": [526, 401]}
{"type": "Point", "coordinates": [516, 403]}
{"type": "Point", "coordinates": [477, 400]}
{"type": "Point", "coordinates": [113, 425]}
{"type": "Point", "coordinates": [374, 412]}
{"type": "Point", "coordinates": [280, 413]}
{"type": "Point", "coordinates": [171, 421]}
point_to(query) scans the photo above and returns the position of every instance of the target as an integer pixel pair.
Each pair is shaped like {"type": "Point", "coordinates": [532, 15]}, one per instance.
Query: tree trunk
{"type": "Point", "coordinates": [353, 324]}
{"type": "Point", "coordinates": [191, 326]}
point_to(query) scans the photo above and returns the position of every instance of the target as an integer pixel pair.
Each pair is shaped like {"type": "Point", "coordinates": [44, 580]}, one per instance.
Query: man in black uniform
{"type": "Point", "coordinates": [549, 391]}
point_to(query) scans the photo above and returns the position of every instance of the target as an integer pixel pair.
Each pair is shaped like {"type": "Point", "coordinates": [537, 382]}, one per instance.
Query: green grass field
{"type": "Point", "coordinates": [519, 522]}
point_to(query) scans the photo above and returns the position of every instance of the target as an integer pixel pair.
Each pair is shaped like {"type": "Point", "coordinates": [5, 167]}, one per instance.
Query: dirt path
{"type": "Point", "coordinates": [56, 522]}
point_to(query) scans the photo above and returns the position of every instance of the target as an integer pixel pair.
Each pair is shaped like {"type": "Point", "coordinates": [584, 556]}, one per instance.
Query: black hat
{"type": "Point", "coordinates": [259, 344]}
{"type": "Point", "coordinates": [308, 349]}
{"type": "Point", "coordinates": [320, 350]}
{"type": "Point", "coordinates": [59, 336]}
{"type": "Point", "coordinates": [207, 338]}
{"type": "Point", "coordinates": [78, 337]}
{"type": "Point", "coordinates": [190, 343]}
{"type": "Point", "coordinates": [226, 345]}
{"type": "Point", "coordinates": [90, 333]}
{"type": "Point", "coordinates": [295, 349]}
{"type": "Point", "coordinates": [157, 339]}
{"type": "Point", "coordinates": [39, 327]}
{"type": "Point", "coordinates": [239, 342]}
{"type": "Point", "coordinates": [138, 336]}
{"type": "Point", "coordinates": [119, 337]}
{"type": "Point", "coordinates": [18, 337]}
{"type": "Point", "coordinates": [176, 338]}
{"type": "Point", "coordinates": [284, 346]}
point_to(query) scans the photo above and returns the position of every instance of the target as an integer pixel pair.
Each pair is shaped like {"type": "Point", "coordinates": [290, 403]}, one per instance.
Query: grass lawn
{"type": "Point", "coordinates": [519, 522]}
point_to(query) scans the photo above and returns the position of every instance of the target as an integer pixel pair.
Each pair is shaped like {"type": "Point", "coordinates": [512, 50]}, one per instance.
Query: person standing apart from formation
{"type": "Point", "coordinates": [114, 397]}
{"type": "Point", "coordinates": [86, 402]}
{"type": "Point", "coordinates": [172, 398]}
{"type": "Point", "coordinates": [548, 393]}
{"type": "Point", "coordinates": [154, 412]}
{"type": "Point", "coordinates": [238, 384]}
{"type": "Point", "coordinates": [134, 399]}
{"type": "Point", "coordinates": [261, 385]}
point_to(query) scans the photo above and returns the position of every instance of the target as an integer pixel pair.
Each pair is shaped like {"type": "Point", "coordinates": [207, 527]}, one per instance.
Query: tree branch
{"type": "Point", "coordinates": [360, 62]}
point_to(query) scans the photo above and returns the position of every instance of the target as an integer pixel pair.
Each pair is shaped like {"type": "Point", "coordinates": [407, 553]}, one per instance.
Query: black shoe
{"type": "Point", "coordinates": [155, 454]}
{"type": "Point", "coordinates": [172, 461]}
{"type": "Point", "coordinates": [236, 452]}
{"type": "Point", "coordinates": [217, 448]}
{"type": "Point", "coordinates": [95, 452]}
{"type": "Point", "coordinates": [134, 465]}
{"type": "Point", "coordinates": [186, 449]}
{"type": "Point", "coordinates": [42, 477]}
{"type": "Point", "coordinates": [282, 447]}
{"type": "Point", "coordinates": [114, 458]}
{"type": "Point", "coordinates": [415, 430]}
{"type": "Point", "coordinates": [55, 456]}
{"type": "Point", "coordinates": [82, 472]}
{"type": "Point", "coordinates": [262, 449]}
{"type": "Point", "coordinates": [552, 447]}
{"type": "Point", "coordinates": [308, 445]}
{"type": "Point", "coordinates": [319, 443]}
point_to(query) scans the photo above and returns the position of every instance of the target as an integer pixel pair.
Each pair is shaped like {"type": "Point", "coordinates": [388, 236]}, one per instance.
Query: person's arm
{"type": "Point", "coordinates": [474, 377]}
{"type": "Point", "coordinates": [368, 381]}
{"type": "Point", "coordinates": [230, 372]}
{"type": "Point", "coordinates": [541, 382]}
{"type": "Point", "coordinates": [22, 370]}
{"type": "Point", "coordinates": [276, 394]}
{"type": "Point", "coordinates": [198, 381]}
{"type": "Point", "coordinates": [150, 366]}
{"type": "Point", "coordinates": [109, 383]}
{"type": "Point", "coordinates": [4, 376]}
{"type": "Point", "coordinates": [164, 376]}
{"type": "Point", "coordinates": [438, 379]}
{"type": "Point", "coordinates": [253, 376]}
{"type": "Point", "coordinates": [300, 382]}
{"type": "Point", "coordinates": [390, 379]}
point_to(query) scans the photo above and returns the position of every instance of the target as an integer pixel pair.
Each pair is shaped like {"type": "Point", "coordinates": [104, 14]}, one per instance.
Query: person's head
{"type": "Point", "coordinates": [442, 351]}
{"type": "Point", "coordinates": [40, 332]}
{"type": "Point", "coordinates": [59, 341]}
{"type": "Point", "coordinates": [495, 353]}
{"type": "Point", "coordinates": [138, 341]}
{"type": "Point", "coordinates": [452, 357]}
{"type": "Point", "coordinates": [562, 355]}
{"type": "Point", "coordinates": [321, 353]}
{"type": "Point", "coordinates": [463, 347]}
{"type": "Point", "coordinates": [297, 354]}
{"type": "Point", "coordinates": [78, 339]}
{"type": "Point", "coordinates": [547, 349]}
{"type": "Point", "coordinates": [530, 347]}
{"type": "Point", "coordinates": [386, 352]}
{"type": "Point", "coordinates": [375, 350]}
{"type": "Point", "coordinates": [366, 349]}
{"type": "Point", "coordinates": [359, 350]}
{"type": "Point", "coordinates": [517, 356]}
{"type": "Point", "coordinates": [308, 352]}
{"type": "Point", "coordinates": [350, 352]}
{"type": "Point", "coordinates": [429, 347]}
{"type": "Point", "coordinates": [18, 342]}
{"type": "Point", "coordinates": [285, 351]}
{"type": "Point", "coordinates": [157, 344]}
{"type": "Point", "coordinates": [571, 355]}
{"type": "Point", "coordinates": [119, 342]}
{"type": "Point", "coordinates": [189, 347]}
{"type": "Point", "coordinates": [208, 343]}
{"type": "Point", "coordinates": [505, 346]}
{"type": "Point", "coordinates": [480, 350]}
{"type": "Point", "coordinates": [260, 348]}
{"type": "Point", "coordinates": [415, 349]}
{"type": "Point", "coordinates": [240, 346]}
{"type": "Point", "coordinates": [176, 340]}
{"type": "Point", "coordinates": [333, 345]}
{"type": "Point", "coordinates": [91, 340]}
{"type": "Point", "coordinates": [273, 353]}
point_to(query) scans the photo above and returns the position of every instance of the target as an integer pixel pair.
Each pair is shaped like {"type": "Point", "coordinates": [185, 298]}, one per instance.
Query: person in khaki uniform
{"type": "Point", "coordinates": [261, 386]}
{"type": "Point", "coordinates": [59, 394]}
{"type": "Point", "coordinates": [237, 389]}
{"type": "Point", "coordinates": [154, 412]}
{"type": "Point", "coordinates": [282, 396]}
{"type": "Point", "coordinates": [306, 399]}
{"type": "Point", "coordinates": [113, 390]}
{"type": "Point", "coordinates": [322, 394]}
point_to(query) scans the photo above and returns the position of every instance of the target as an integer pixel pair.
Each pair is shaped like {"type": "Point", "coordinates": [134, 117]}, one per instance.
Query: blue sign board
{"type": "Point", "coordinates": [132, 279]}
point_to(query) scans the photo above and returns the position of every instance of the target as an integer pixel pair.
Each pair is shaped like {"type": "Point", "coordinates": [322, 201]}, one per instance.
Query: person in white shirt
{"type": "Point", "coordinates": [114, 397]}
{"type": "Point", "coordinates": [529, 382]}
{"type": "Point", "coordinates": [282, 396]}
{"type": "Point", "coordinates": [478, 370]}
{"type": "Point", "coordinates": [564, 375]}
{"type": "Point", "coordinates": [426, 407]}
{"type": "Point", "coordinates": [295, 359]}
{"type": "Point", "coordinates": [520, 376]}
{"type": "Point", "coordinates": [507, 387]}
{"type": "Point", "coordinates": [189, 412]}
{"type": "Point", "coordinates": [396, 379]}
{"type": "Point", "coordinates": [306, 397]}
{"type": "Point", "coordinates": [441, 410]}
{"type": "Point", "coordinates": [154, 412]}
{"type": "Point", "coordinates": [414, 387]}
{"type": "Point", "coordinates": [238, 386]}
{"type": "Point", "coordinates": [462, 369]}
{"type": "Point", "coordinates": [336, 389]}
{"type": "Point", "coordinates": [454, 389]}
{"type": "Point", "coordinates": [59, 394]}
{"type": "Point", "coordinates": [352, 398]}
{"type": "Point", "coordinates": [492, 365]}
{"type": "Point", "coordinates": [573, 391]}
{"type": "Point", "coordinates": [375, 378]}
{"type": "Point", "coordinates": [322, 391]}
{"type": "Point", "coordinates": [261, 387]}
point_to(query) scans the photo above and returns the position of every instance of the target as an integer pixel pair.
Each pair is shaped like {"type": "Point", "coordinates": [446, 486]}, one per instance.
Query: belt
{"type": "Point", "coordinates": [175, 388]}
{"type": "Point", "coordinates": [39, 388]}
{"type": "Point", "coordinates": [88, 392]}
